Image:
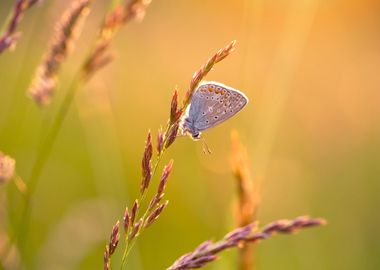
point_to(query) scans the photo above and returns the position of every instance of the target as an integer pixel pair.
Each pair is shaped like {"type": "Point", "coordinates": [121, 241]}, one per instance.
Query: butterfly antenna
{"type": "Point", "coordinates": [206, 149]}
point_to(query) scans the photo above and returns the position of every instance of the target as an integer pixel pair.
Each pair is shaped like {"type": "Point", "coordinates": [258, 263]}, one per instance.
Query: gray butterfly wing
{"type": "Point", "coordinates": [215, 103]}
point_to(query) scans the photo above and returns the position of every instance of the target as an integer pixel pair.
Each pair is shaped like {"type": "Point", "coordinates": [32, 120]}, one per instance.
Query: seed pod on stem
{"type": "Point", "coordinates": [136, 229]}
{"type": "Point", "coordinates": [160, 141]}
{"type": "Point", "coordinates": [155, 214]}
{"type": "Point", "coordinates": [134, 212]}
{"type": "Point", "coordinates": [146, 164]}
{"type": "Point", "coordinates": [126, 220]}
{"type": "Point", "coordinates": [172, 135]}
{"type": "Point", "coordinates": [114, 238]}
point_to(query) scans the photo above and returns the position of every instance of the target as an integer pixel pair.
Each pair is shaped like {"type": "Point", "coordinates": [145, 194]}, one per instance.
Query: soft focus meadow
{"type": "Point", "coordinates": [311, 129]}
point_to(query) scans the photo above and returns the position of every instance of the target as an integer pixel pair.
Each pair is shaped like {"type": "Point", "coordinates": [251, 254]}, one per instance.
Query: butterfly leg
{"type": "Point", "coordinates": [206, 149]}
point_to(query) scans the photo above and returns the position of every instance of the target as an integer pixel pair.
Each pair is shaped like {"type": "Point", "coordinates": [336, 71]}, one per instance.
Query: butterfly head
{"type": "Point", "coordinates": [188, 127]}
{"type": "Point", "coordinates": [196, 136]}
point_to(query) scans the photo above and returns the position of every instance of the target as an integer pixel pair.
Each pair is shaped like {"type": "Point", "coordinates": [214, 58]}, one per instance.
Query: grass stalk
{"type": "Point", "coordinates": [8, 34]}
{"type": "Point", "coordinates": [43, 156]}
{"type": "Point", "coordinates": [129, 244]}
{"type": "Point", "coordinates": [21, 233]}
{"type": "Point", "coordinates": [167, 138]}
{"type": "Point", "coordinates": [208, 251]}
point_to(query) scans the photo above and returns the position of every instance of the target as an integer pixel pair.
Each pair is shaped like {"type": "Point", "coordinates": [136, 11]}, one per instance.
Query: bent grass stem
{"type": "Point", "coordinates": [129, 244]}
{"type": "Point", "coordinates": [21, 232]}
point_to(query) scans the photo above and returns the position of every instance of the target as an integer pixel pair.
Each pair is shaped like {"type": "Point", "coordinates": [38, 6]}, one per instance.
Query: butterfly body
{"type": "Point", "coordinates": [212, 103]}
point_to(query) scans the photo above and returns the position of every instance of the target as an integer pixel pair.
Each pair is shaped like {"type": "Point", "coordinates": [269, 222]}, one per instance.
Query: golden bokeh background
{"type": "Point", "coordinates": [312, 129]}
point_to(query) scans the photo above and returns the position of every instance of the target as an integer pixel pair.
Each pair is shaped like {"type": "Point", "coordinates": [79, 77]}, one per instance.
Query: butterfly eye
{"type": "Point", "coordinates": [196, 136]}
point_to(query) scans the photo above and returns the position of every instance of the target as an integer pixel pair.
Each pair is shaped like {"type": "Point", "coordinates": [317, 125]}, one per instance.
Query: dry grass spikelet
{"type": "Point", "coordinates": [248, 196]}
{"type": "Point", "coordinates": [7, 168]}
{"type": "Point", "coordinates": [114, 20]}
{"type": "Point", "coordinates": [10, 36]}
{"type": "Point", "coordinates": [66, 31]}
{"type": "Point", "coordinates": [249, 234]}
{"type": "Point", "coordinates": [206, 68]}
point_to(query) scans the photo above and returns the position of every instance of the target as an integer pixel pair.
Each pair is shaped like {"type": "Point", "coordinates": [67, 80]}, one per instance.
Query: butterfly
{"type": "Point", "coordinates": [212, 104]}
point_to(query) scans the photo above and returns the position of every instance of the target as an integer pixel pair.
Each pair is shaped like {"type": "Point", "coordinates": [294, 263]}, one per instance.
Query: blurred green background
{"type": "Point", "coordinates": [312, 127]}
